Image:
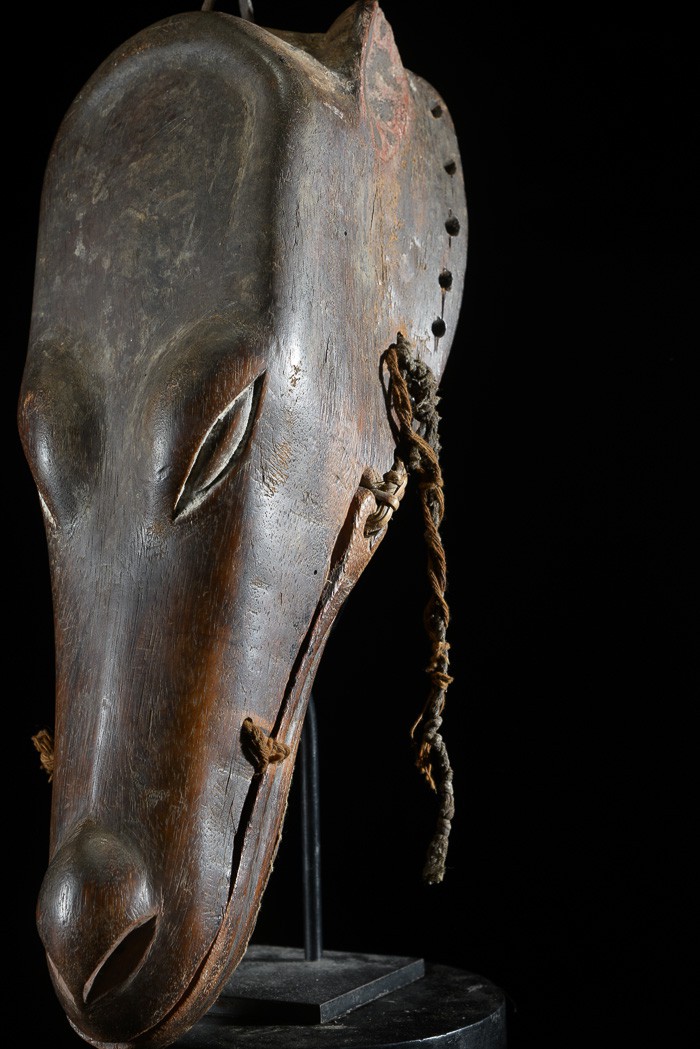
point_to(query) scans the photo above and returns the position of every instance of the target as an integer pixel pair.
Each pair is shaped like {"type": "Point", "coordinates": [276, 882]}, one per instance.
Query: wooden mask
{"type": "Point", "coordinates": [236, 223]}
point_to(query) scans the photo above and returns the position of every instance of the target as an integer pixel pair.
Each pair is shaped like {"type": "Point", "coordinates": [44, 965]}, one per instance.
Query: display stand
{"type": "Point", "coordinates": [293, 998]}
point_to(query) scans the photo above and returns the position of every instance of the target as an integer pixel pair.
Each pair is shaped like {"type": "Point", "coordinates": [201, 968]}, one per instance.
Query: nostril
{"type": "Point", "coordinates": [123, 960]}
{"type": "Point", "coordinates": [96, 913]}
{"type": "Point", "coordinates": [61, 985]}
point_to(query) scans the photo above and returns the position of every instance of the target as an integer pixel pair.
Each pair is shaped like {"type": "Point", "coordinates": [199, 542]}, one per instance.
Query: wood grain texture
{"type": "Point", "coordinates": [235, 225]}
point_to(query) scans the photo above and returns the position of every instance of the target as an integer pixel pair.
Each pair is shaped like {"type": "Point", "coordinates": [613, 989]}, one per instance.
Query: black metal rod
{"type": "Point", "coordinates": [244, 6]}
{"type": "Point", "coordinates": [311, 836]}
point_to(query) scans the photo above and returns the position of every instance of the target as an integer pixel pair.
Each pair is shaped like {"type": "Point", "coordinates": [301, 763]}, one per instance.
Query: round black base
{"type": "Point", "coordinates": [446, 1009]}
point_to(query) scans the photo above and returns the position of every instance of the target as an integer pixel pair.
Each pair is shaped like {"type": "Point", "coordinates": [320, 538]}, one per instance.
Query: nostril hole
{"type": "Point", "coordinates": [436, 111]}
{"type": "Point", "coordinates": [451, 167]}
{"type": "Point", "coordinates": [122, 962]}
{"type": "Point", "coordinates": [61, 985]}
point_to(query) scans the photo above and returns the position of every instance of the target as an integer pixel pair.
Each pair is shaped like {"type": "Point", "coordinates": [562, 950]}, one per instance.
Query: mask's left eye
{"type": "Point", "coordinates": [61, 422]}
{"type": "Point", "coordinates": [221, 448]}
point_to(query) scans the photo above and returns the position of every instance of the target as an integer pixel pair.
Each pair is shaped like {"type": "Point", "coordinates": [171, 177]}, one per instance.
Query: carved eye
{"type": "Point", "coordinates": [221, 448]}
{"type": "Point", "coordinates": [62, 431]}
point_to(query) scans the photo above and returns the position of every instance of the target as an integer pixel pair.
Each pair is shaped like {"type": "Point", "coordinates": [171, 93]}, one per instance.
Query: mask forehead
{"type": "Point", "coordinates": [157, 203]}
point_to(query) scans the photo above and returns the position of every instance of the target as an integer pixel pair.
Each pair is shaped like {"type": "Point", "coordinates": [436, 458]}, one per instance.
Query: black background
{"type": "Point", "coordinates": [570, 456]}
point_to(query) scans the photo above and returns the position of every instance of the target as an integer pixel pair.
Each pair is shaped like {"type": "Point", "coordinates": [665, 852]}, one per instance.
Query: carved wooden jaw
{"type": "Point", "coordinates": [235, 225]}
{"type": "Point", "coordinates": [357, 541]}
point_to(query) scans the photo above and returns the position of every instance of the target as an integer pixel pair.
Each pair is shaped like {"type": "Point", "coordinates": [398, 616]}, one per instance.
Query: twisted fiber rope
{"type": "Point", "coordinates": [260, 749]}
{"type": "Point", "coordinates": [414, 398]}
{"type": "Point", "coordinates": [43, 741]}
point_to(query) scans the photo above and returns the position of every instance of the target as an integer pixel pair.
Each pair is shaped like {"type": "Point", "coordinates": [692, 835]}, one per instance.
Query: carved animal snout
{"type": "Point", "coordinates": [96, 915]}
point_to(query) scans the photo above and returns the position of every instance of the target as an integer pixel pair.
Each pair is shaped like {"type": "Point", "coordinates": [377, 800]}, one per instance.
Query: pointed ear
{"type": "Point", "coordinates": [360, 45]}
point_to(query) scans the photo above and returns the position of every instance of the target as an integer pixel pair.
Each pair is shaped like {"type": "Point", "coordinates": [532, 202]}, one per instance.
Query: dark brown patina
{"type": "Point", "coordinates": [236, 223]}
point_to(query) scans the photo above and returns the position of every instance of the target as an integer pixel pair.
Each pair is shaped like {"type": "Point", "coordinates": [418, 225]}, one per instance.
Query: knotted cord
{"type": "Point", "coordinates": [43, 741]}
{"type": "Point", "coordinates": [388, 492]}
{"type": "Point", "coordinates": [260, 749]}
